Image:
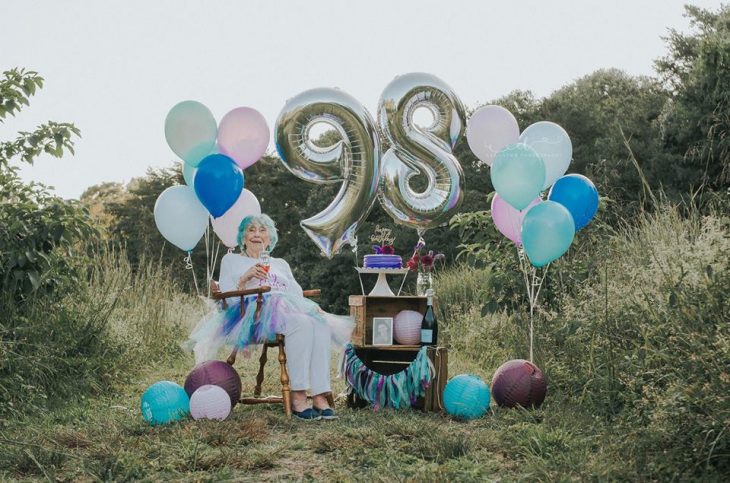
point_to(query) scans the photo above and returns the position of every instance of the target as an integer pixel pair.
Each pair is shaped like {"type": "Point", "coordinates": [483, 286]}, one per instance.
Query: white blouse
{"type": "Point", "coordinates": [280, 277]}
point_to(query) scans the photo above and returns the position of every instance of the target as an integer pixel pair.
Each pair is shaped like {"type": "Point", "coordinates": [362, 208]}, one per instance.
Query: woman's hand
{"type": "Point", "coordinates": [257, 271]}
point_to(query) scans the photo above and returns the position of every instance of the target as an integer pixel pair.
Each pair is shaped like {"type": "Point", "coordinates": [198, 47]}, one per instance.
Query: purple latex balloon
{"type": "Point", "coordinates": [243, 135]}
{"type": "Point", "coordinates": [508, 219]}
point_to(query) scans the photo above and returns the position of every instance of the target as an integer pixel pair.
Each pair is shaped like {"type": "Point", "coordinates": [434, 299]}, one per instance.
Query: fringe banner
{"type": "Point", "coordinates": [398, 390]}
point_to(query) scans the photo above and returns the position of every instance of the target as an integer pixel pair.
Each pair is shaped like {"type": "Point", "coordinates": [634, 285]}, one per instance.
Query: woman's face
{"type": "Point", "coordinates": [256, 236]}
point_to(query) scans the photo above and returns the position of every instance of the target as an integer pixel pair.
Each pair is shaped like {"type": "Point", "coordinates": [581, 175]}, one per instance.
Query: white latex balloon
{"type": "Point", "coordinates": [490, 129]}
{"type": "Point", "coordinates": [210, 402]}
{"type": "Point", "coordinates": [180, 217]}
{"type": "Point", "coordinates": [553, 145]}
{"type": "Point", "coordinates": [226, 225]}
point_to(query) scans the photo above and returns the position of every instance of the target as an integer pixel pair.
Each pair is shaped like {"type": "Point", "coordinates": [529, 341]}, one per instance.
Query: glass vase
{"type": "Point", "coordinates": [423, 283]}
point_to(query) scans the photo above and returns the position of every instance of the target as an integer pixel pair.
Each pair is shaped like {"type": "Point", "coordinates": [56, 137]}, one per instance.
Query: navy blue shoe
{"type": "Point", "coordinates": [327, 414]}
{"type": "Point", "coordinates": [308, 414]}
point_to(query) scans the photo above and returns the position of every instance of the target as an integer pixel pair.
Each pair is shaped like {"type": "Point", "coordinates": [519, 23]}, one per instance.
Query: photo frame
{"type": "Point", "coordinates": [382, 331]}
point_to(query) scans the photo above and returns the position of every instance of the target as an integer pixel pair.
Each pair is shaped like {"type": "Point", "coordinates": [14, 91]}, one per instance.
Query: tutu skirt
{"type": "Point", "coordinates": [229, 328]}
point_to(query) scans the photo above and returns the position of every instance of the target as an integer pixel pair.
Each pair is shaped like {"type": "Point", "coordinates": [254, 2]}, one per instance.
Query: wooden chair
{"type": "Point", "coordinates": [279, 342]}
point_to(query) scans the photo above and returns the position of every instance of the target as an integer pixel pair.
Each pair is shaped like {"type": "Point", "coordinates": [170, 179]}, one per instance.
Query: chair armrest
{"type": "Point", "coordinates": [312, 293]}
{"type": "Point", "coordinates": [241, 293]}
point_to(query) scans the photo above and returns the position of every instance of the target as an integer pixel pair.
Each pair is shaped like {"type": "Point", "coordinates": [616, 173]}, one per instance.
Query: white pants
{"type": "Point", "coordinates": [307, 345]}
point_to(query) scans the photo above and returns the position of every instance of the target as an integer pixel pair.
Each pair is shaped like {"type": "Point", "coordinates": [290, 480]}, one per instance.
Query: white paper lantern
{"type": "Point", "coordinates": [407, 327]}
{"type": "Point", "coordinates": [210, 402]}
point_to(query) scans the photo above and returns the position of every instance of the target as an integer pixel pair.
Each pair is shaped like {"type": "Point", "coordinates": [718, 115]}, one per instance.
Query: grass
{"type": "Point", "coordinates": [636, 354]}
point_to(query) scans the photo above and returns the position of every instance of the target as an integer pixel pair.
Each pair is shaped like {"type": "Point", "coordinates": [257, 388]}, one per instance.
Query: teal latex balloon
{"type": "Point", "coordinates": [518, 174]}
{"type": "Point", "coordinates": [553, 145]}
{"type": "Point", "coordinates": [547, 232]}
{"type": "Point", "coordinates": [164, 402]}
{"type": "Point", "coordinates": [191, 131]}
{"type": "Point", "coordinates": [189, 174]}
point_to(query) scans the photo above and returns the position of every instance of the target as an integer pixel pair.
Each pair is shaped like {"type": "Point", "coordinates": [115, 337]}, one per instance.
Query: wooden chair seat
{"type": "Point", "coordinates": [285, 397]}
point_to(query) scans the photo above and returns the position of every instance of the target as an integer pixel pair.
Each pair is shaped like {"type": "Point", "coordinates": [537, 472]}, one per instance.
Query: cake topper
{"type": "Point", "coordinates": [386, 240]}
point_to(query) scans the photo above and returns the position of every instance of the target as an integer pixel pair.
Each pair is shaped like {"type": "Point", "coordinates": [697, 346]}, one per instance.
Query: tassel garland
{"type": "Point", "coordinates": [398, 390]}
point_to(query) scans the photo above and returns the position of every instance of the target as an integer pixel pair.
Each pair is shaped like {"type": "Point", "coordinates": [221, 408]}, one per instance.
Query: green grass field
{"type": "Point", "coordinates": [635, 347]}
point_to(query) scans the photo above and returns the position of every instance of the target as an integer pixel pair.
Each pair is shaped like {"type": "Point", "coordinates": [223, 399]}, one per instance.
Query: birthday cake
{"type": "Point", "coordinates": [382, 261]}
{"type": "Point", "coordinates": [384, 256]}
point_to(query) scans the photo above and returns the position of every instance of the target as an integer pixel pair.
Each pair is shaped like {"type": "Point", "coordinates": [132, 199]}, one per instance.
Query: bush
{"type": "Point", "coordinates": [86, 336]}
{"type": "Point", "coordinates": [642, 341]}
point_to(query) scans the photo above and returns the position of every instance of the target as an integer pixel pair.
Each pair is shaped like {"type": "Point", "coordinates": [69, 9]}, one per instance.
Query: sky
{"type": "Point", "coordinates": [115, 68]}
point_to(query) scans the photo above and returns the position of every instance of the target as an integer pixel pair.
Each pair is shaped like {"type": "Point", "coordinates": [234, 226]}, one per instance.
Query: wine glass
{"type": "Point", "coordinates": [265, 260]}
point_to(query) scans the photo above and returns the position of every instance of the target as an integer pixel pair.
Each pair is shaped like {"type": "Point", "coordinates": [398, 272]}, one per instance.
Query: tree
{"type": "Point", "coordinates": [37, 228]}
{"type": "Point", "coordinates": [696, 122]}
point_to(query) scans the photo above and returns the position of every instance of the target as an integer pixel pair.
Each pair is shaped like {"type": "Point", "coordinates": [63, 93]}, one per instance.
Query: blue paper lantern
{"type": "Point", "coordinates": [164, 402]}
{"type": "Point", "coordinates": [466, 396]}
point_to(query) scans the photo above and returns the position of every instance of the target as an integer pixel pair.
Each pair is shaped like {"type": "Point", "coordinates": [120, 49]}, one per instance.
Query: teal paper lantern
{"type": "Point", "coordinates": [164, 402]}
{"type": "Point", "coordinates": [466, 396]}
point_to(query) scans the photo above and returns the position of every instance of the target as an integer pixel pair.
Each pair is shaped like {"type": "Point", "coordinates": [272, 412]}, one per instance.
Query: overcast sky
{"type": "Point", "coordinates": [115, 68]}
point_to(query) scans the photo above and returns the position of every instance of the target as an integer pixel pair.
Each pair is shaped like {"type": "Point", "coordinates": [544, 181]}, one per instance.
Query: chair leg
{"type": "Point", "coordinates": [260, 375]}
{"type": "Point", "coordinates": [285, 392]}
{"type": "Point", "coordinates": [232, 358]}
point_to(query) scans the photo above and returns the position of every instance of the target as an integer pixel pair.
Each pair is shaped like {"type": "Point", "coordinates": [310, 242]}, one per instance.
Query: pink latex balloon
{"type": "Point", "coordinates": [226, 225]}
{"type": "Point", "coordinates": [508, 219]}
{"type": "Point", "coordinates": [490, 129]}
{"type": "Point", "coordinates": [210, 402]}
{"type": "Point", "coordinates": [243, 136]}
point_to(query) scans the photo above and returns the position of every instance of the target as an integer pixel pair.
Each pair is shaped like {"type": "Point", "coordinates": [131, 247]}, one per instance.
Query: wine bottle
{"type": "Point", "coordinates": [429, 326]}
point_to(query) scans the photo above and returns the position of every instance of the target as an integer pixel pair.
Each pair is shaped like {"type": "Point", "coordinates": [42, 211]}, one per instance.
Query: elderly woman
{"type": "Point", "coordinates": [309, 331]}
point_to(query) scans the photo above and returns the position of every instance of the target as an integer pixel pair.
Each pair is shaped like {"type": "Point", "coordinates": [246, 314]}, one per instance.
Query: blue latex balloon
{"type": "Point", "coordinates": [164, 402]}
{"type": "Point", "coordinates": [518, 174]}
{"type": "Point", "coordinates": [547, 232]}
{"type": "Point", "coordinates": [579, 195]}
{"type": "Point", "coordinates": [466, 396]}
{"type": "Point", "coordinates": [218, 183]}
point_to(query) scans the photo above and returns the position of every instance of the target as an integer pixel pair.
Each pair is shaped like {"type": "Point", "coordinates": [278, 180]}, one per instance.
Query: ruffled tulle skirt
{"type": "Point", "coordinates": [230, 328]}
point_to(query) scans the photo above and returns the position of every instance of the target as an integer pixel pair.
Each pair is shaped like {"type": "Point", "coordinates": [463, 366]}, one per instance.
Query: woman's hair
{"type": "Point", "coordinates": [263, 220]}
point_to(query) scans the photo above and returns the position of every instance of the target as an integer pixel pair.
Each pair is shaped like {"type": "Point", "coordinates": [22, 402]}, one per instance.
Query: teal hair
{"type": "Point", "coordinates": [263, 220]}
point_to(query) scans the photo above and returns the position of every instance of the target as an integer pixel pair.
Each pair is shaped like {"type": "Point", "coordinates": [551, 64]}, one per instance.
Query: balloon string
{"type": "Point", "coordinates": [533, 284]}
{"type": "Point", "coordinates": [207, 257]}
{"type": "Point", "coordinates": [353, 242]}
{"type": "Point", "coordinates": [189, 266]}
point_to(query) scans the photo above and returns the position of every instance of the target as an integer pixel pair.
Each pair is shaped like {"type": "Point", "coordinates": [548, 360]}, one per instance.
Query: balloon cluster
{"type": "Point", "coordinates": [214, 157]}
{"type": "Point", "coordinates": [523, 166]}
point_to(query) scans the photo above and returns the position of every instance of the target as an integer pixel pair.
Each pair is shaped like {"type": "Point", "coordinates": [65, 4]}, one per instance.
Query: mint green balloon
{"type": "Point", "coordinates": [191, 131]}
{"type": "Point", "coordinates": [547, 232]}
{"type": "Point", "coordinates": [518, 174]}
{"type": "Point", "coordinates": [188, 174]}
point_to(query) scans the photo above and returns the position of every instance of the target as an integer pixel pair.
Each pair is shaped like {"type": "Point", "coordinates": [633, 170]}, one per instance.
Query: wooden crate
{"type": "Point", "coordinates": [392, 359]}
{"type": "Point", "coordinates": [363, 308]}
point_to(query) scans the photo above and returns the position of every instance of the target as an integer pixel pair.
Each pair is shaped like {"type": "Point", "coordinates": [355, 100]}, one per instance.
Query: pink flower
{"type": "Point", "coordinates": [427, 261]}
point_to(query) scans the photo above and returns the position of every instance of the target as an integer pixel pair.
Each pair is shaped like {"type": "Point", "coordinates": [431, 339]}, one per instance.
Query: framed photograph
{"type": "Point", "coordinates": [382, 330]}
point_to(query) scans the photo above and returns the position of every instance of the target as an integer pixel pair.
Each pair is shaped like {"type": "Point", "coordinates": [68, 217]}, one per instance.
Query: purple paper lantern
{"type": "Point", "coordinates": [407, 327]}
{"type": "Point", "coordinates": [217, 373]}
{"type": "Point", "coordinates": [210, 402]}
{"type": "Point", "coordinates": [519, 382]}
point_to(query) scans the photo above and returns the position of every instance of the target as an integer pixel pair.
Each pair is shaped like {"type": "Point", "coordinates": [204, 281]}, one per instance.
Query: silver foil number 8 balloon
{"type": "Point", "coordinates": [354, 160]}
{"type": "Point", "coordinates": [421, 151]}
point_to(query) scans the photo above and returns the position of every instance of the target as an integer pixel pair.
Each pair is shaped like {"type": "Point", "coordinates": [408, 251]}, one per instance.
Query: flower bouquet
{"type": "Point", "coordinates": [423, 264]}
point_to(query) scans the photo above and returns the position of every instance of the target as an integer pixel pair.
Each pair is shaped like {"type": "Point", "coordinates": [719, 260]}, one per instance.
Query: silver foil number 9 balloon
{"type": "Point", "coordinates": [354, 160]}
{"type": "Point", "coordinates": [421, 151]}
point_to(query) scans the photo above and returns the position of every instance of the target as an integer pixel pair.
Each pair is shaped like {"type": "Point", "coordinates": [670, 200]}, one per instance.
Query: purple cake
{"type": "Point", "coordinates": [383, 261]}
